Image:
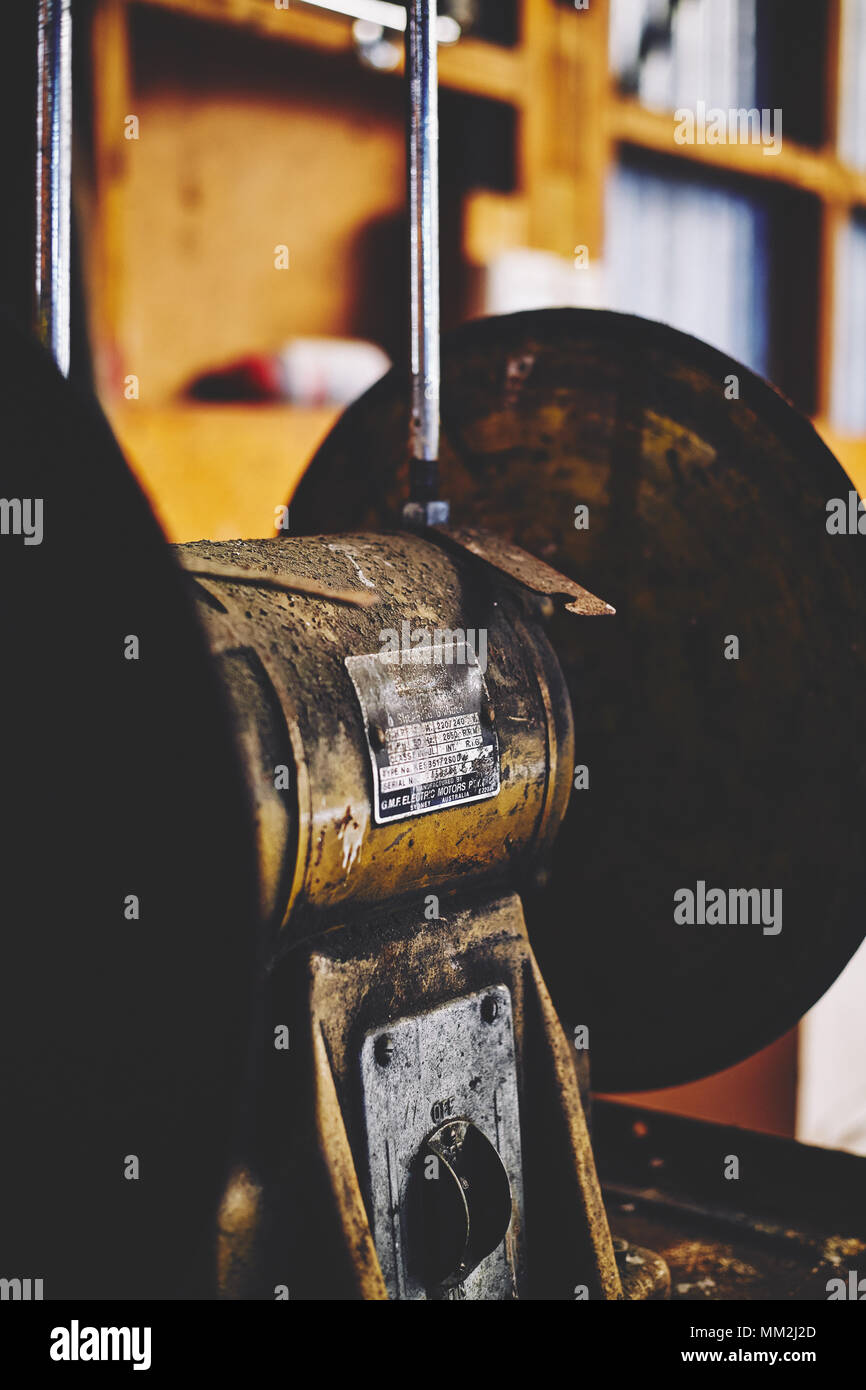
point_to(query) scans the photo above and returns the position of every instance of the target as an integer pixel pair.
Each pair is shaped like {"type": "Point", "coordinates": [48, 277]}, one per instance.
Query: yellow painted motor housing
{"type": "Point", "coordinates": [305, 738]}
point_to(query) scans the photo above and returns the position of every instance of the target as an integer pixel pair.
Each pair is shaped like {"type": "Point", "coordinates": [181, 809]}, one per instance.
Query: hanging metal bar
{"type": "Point", "coordinates": [422, 73]}
{"type": "Point", "coordinates": [54, 177]}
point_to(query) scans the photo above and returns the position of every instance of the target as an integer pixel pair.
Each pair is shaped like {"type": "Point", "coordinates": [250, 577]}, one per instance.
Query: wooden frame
{"type": "Point", "coordinates": [571, 123]}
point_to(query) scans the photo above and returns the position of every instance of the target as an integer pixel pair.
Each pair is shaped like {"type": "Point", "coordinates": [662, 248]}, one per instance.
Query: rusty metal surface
{"type": "Point", "coordinates": [793, 1220]}
{"type": "Point", "coordinates": [295, 1214]}
{"type": "Point", "coordinates": [519, 565]}
{"type": "Point", "coordinates": [283, 660]}
{"type": "Point", "coordinates": [706, 518]}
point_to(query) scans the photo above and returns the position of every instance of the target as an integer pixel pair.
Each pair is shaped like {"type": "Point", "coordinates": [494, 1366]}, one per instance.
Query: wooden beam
{"type": "Point", "coordinates": [564, 147]}
{"type": "Point", "coordinates": [470, 65]}
{"type": "Point", "coordinates": [819, 172]}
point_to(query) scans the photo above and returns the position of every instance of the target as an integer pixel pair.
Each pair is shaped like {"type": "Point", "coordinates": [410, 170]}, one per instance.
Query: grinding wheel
{"type": "Point", "coordinates": [707, 519]}
{"type": "Point", "coordinates": [129, 951]}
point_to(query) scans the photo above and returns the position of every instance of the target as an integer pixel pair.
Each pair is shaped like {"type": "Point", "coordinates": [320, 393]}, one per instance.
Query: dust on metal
{"type": "Point", "coordinates": [285, 581]}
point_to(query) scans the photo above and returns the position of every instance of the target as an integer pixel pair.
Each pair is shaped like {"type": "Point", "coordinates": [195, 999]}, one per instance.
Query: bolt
{"type": "Point", "coordinates": [541, 879]}
{"type": "Point", "coordinates": [489, 712]}
{"type": "Point", "coordinates": [490, 1008]}
{"type": "Point", "coordinates": [377, 737]}
{"type": "Point", "coordinates": [384, 1050]}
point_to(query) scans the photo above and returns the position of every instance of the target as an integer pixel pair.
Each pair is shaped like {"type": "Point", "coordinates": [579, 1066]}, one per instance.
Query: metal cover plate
{"type": "Point", "coordinates": [430, 744]}
{"type": "Point", "coordinates": [444, 1064]}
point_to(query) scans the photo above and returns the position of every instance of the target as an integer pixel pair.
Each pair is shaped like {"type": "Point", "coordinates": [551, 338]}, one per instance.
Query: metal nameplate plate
{"type": "Point", "coordinates": [431, 741]}
{"type": "Point", "coordinates": [454, 1061]}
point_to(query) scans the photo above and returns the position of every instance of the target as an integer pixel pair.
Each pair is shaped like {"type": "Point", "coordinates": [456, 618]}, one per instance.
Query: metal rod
{"type": "Point", "coordinates": [422, 73]}
{"type": "Point", "coordinates": [54, 177]}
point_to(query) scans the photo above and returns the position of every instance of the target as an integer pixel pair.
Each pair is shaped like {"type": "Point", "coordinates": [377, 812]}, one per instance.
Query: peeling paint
{"type": "Point", "coordinates": [350, 556]}
{"type": "Point", "coordinates": [352, 833]}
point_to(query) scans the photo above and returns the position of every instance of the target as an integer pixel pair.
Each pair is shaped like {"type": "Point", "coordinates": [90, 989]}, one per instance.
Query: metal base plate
{"type": "Point", "coordinates": [457, 1061]}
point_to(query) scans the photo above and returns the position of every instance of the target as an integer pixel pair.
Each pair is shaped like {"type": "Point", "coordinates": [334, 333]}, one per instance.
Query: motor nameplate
{"type": "Point", "coordinates": [429, 728]}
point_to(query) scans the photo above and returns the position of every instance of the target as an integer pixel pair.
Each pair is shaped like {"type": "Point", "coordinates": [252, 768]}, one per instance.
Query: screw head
{"type": "Point", "coordinates": [489, 1008]}
{"type": "Point", "coordinates": [384, 1050]}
